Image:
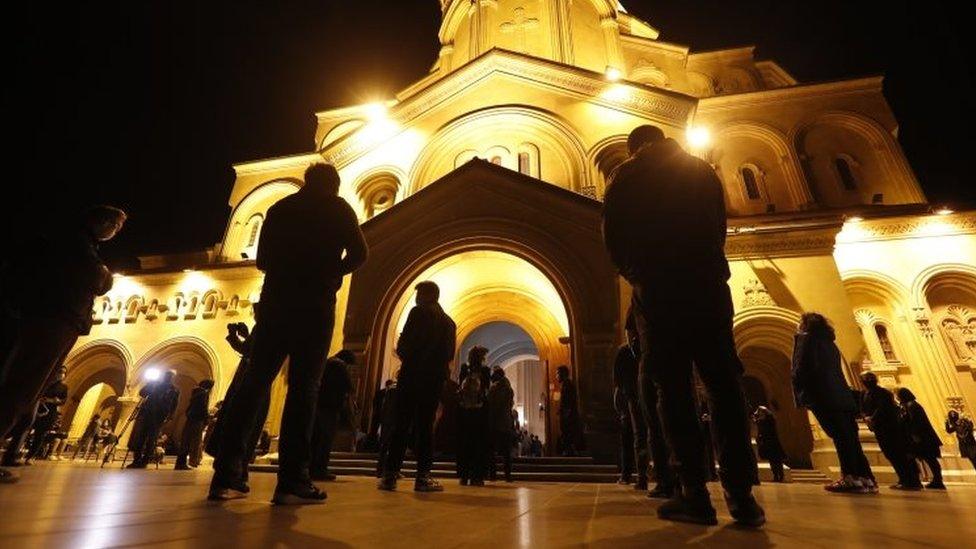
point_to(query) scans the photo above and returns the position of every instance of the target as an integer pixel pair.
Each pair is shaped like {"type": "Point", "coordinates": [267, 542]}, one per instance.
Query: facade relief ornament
{"type": "Point", "coordinates": [519, 26]}
{"type": "Point", "coordinates": [757, 295]}
{"type": "Point", "coordinates": [922, 321]}
{"type": "Point", "coordinates": [959, 329]}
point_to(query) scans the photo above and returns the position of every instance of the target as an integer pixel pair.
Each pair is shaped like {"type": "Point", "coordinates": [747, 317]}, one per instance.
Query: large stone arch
{"type": "Point", "coordinates": [482, 207]}
{"type": "Point", "coordinates": [878, 299]}
{"type": "Point", "coordinates": [100, 361]}
{"type": "Point", "coordinates": [882, 168]}
{"type": "Point", "coordinates": [764, 340]}
{"type": "Point", "coordinates": [562, 154]}
{"type": "Point", "coordinates": [255, 203]}
{"type": "Point", "coordinates": [770, 151]}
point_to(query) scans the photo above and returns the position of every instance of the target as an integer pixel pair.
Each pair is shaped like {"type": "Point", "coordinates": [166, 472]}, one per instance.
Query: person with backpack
{"type": "Point", "coordinates": [472, 455]}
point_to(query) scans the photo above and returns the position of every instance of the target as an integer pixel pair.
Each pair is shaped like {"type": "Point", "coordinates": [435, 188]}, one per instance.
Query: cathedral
{"type": "Point", "coordinates": [486, 176]}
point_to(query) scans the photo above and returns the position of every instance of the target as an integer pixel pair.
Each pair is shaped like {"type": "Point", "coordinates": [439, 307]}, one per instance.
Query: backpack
{"type": "Point", "coordinates": [470, 391]}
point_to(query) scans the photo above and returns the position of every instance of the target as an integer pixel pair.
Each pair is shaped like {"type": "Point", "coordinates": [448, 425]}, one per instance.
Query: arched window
{"type": "Point", "coordinates": [889, 350]}
{"type": "Point", "coordinates": [529, 160]}
{"type": "Point", "coordinates": [750, 182]}
{"type": "Point", "coordinates": [252, 238]}
{"type": "Point", "coordinates": [252, 234]}
{"type": "Point", "coordinates": [524, 163]}
{"type": "Point", "coordinates": [845, 171]}
{"type": "Point", "coordinates": [378, 193]}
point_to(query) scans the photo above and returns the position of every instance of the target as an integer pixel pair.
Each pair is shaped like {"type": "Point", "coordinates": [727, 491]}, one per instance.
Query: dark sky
{"type": "Point", "coordinates": [147, 104]}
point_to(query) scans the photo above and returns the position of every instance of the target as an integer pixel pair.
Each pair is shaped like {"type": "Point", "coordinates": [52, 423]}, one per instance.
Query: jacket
{"type": "Point", "coordinates": [428, 342]}
{"type": "Point", "coordinates": [818, 382]}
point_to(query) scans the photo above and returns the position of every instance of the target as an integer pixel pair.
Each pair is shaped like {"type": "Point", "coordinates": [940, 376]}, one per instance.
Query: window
{"type": "Point", "coordinates": [255, 229]}
{"type": "Point", "coordinates": [751, 183]}
{"type": "Point", "coordinates": [889, 351]}
{"type": "Point", "coordinates": [846, 173]}
{"type": "Point", "coordinates": [524, 163]}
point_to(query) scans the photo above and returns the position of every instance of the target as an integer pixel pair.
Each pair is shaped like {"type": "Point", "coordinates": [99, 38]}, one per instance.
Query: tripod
{"type": "Point", "coordinates": [110, 450]}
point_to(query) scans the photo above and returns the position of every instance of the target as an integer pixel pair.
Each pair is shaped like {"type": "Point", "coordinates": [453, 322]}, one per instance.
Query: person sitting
{"type": "Point", "coordinates": [923, 441]}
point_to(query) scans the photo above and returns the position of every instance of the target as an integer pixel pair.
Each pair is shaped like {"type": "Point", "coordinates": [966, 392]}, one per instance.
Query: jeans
{"type": "Point", "coordinates": [895, 451]}
{"type": "Point", "coordinates": [190, 443]}
{"type": "Point", "coordinates": [417, 401]}
{"type": "Point", "coordinates": [670, 354]}
{"type": "Point", "coordinates": [326, 424]}
{"type": "Point", "coordinates": [841, 427]}
{"type": "Point", "coordinates": [303, 337]}
{"type": "Point", "coordinates": [473, 451]}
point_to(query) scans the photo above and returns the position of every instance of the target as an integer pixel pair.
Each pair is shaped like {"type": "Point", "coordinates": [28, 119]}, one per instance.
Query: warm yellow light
{"type": "Point", "coordinates": [614, 74]}
{"type": "Point", "coordinates": [855, 219]}
{"type": "Point", "coordinates": [699, 137]}
{"type": "Point", "coordinates": [195, 281]}
{"type": "Point", "coordinates": [376, 111]}
{"type": "Point", "coordinates": [944, 211]}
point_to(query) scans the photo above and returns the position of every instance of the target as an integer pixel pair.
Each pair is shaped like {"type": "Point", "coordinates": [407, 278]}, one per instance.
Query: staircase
{"type": "Point", "coordinates": [810, 476]}
{"type": "Point", "coordinates": [542, 469]}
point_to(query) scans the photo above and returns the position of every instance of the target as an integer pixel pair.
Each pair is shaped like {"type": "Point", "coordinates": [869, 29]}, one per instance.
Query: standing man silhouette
{"type": "Point", "coordinates": [426, 348]}
{"type": "Point", "coordinates": [665, 227]}
{"type": "Point", "coordinates": [301, 253]}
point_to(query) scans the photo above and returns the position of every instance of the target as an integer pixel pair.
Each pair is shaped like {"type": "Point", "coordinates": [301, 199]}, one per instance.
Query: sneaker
{"type": "Point", "coordinates": [304, 495]}
{"type": "Point", "coordinates": [427, 484]}
{"type": "Point", "coordinates": [870, 485]}
{"type": "Point", "coordinates": [746, 511]}
{"type": "Point", "coordinates": [182, 468]}
{"type": "Point", "coordinates": [8, 477]}
{"type": "Point", "coordinates": [936, 485]}
{"type": "Point", "coordinates": [641, 485]}
{"type": "Point", "coordinates": [137, 465]}
{"type": "Point", "coordinates": [906, 487]}
{"type": "Point", "coordinates": [387, 484]}
{"type": "Point", "coordinates": [224, 491]}
{"type": "Point", "coordinates": [846, 485]}
{"type": "Point", "coordinates": [696, 509]}
{"type": "Point", "coordinates": [661, 492]}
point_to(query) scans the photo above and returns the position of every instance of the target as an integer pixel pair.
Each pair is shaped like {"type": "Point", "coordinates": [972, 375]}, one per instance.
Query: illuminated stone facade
{"type": "Point", "coordinates": [544, 92]}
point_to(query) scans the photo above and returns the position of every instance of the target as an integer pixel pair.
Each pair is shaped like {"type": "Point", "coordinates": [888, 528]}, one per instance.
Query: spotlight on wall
{"type": "Point", "coordinates": [944, 210]}
{"type": "Point", "coordinates": [854, 219]}
{"type": "Point", "coordinates": [613, 74]}
{"type": "Point", "coordinates": [699, 137]}
{"type": "Point", "coordinates": [152, 374]}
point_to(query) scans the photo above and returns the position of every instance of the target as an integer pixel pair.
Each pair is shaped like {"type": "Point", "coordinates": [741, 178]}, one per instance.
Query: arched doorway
{"type": "Point", "coordinates": [505, 248]}
{"type": "Point", "coordinates": [97, 371]}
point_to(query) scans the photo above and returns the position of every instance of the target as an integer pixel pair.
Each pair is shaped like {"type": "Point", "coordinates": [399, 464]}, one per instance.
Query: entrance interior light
{"type": "Point", "coordinates": [855, 219]}
{"type": "Point", "coordinates": [614, 74]}
{"type": "Point", "coordinates": [944, 210]}
{"type": "Point", "coordinates": [376, 111]}
{"type": "Point", "coordinates": [152, 374]}
{"type": "Point", "coordinates": [699, 137]}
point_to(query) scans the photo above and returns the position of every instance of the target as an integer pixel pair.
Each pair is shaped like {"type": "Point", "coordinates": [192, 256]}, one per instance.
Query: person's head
{"type": "Point", "coordinates": [61, 373]}
{"type": "Point", "coordinates": [630, 328]}
{"type": "Point", "coordinates": [817, 325]}
{"type": "Point", "coordinates": [905, 395]}
{"type": "Point", "coordinates": [643, 136]}
{"type": "Point", "coordinates": [953, 416]}
{"type": "Point", "coordinates": [104, 222]}
{"type": "Point", "coordinates": [497, 374]}
{"type": "Point", "coordinates": [347, 356]}
{"type": "Point", "coordinates": [477, 355]}
{"type": "Point", "coordinates": [168, 376]}
{"type": "Point", "coordinates": [427, 292]}
{"type": "Point", "coordinates": [388, 384]}
{"type": "Point", "coordinates": [206, 384]}
{"type": "Point", "coordinates": [562, 373]}
{"type": "Point", "coordinates": [322, 178]}
{"type": "Point", "coordinates": [869, 379]}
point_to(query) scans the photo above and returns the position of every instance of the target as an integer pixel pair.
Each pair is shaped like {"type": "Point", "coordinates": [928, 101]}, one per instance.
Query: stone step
{"type": "Point", "coordinates": [409, 471]}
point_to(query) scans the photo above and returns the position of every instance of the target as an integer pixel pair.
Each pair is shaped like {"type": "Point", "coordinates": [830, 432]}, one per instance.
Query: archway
{"type": "Point", "coordinates": [100, 363]}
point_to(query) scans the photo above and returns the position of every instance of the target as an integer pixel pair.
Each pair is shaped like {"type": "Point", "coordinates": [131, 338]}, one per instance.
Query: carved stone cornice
{"type": "Point", "coordinates": [780, 243]}
{"type": "Point", "coordinates": [919, 226]}
{"type": "Point", "coordinates": [792, 93]}
{"type": "Point", "coordinates": [654, 104]}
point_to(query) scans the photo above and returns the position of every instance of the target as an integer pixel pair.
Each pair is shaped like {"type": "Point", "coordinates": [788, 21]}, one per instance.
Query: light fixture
{"type": "Point", "coordinates": [376, 111]}
{"type": "Point", "coordinates": [152, 374]}
{"type": "Point", "coordinates": [613, 74]}
{"type": "Point", "coordinates": [699, 137]}
{"type": "Point", "coordinates": [944, 210]}
{"type": "Point", "coordinates": [854, 219]}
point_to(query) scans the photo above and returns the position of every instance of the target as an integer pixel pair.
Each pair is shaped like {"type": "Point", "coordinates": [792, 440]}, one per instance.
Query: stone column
{"type": "Point", "coordinates": [447, 57]}
{"type": "Point", "coordinates": [945, 385]}
{"type": "Point", "coordinates": [561, 30]}
{"type": "Point", "coordinates": [487, 25]}
{"type": "Point", "coordinates": [611, 35]}
{"type": "Point", "coordinates": [126, 406]}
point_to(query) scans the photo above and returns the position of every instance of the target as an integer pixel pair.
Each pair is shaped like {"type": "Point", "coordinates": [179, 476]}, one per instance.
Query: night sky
{"type": "Point", "coordinates": [147, 104]}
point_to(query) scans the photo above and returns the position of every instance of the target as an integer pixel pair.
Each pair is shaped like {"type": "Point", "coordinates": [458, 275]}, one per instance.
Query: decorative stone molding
{"type": "Point", "coordinates": [757, 295]}
{"type": "Point", "coordinates": [919, 226]}
{"type": "Point", "coordinates": [756, 243]}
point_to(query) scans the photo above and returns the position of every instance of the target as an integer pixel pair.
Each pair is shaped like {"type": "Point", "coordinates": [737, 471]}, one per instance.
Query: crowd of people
{"type": "Point", "coordinates": [312, 239]}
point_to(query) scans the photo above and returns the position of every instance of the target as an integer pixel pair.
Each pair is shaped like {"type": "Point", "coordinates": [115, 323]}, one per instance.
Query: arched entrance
{"type": "Point", "coordinates": [504, 248]}
{"type": "Point", "coordinates": [97, 374]}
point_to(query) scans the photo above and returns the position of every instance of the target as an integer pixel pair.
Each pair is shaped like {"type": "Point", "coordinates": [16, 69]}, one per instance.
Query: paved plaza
{"type": "Point", "coordinates": [65, 505]}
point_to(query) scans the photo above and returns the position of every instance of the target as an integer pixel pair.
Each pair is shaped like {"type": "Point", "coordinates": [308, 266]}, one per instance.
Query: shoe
{"type": "Point", "coordinates": [907, 487]}
{"type": "Point", "coordinates": [870, 485]}
{"type": "Point", "coordinates": [304, 495]}
{"type": "Point", "coordinates": [8, 477]}
{"type": "Point", "coordinates": [624, 480]}
{"type": "Point", "coordinates": [508, 478]}
{"type": "Point", "coordinates": [225, 491]}
{"type": "Point", "coordinates": [936, 485]}
{"type": "Point", "coordinates": [464, 482]}
{"type": "Point", "coordinates": [641, 485]}
{"type": "Point", "coordinates": [478, 482]}
{"type": "Point", "coordinates": [427, 484]}
{"type": "Point", "coordinates": [661, 492]}
{"type": "Point", "coordinates": [694, 510]}
{"type": "Point", "coordinates": [745, 511]}
{"type": "Point", "coordinates": [182, 468]}
{"type": "Point", "coordinates": [324, 477]}
{"type": "Point", "coordinates": [387, 484]}
{"type": "Point", "coordinates": [137, 465]}
{"type": "Point", "coordinates": [847, 485]}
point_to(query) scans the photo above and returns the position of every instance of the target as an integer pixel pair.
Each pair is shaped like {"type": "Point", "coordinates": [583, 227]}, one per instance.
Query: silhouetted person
{"type": "Point", "coordinates": [923, 442]}
{"type": "Point", "coordinates": [377, 417]}
{"type": "Point", "coordinates": [159, 401]}
{"type": "Point", "coordinates": [49, 414]}
{"type": "Point", "coordinates": [645, 423]}
{"type": "Point", "coordinates": [963, 429]}
{"type": "Point", "coordinates": [446, 425]}
{"type": "Point", "coordinates": [570, 424]}
{"type": "Point", "coordinates": [426, 348]}
{"type": "Point", "coordinates": [882, 415]}
{"type": "Point", "coordinates": [819, 385]}
{"type": "Point", "coordinates": [388, 421]}
{"type": "Point", "coordinates": [87, 441]}
{"type": "Point", "coordinates": [767, 442]}
{"type": "Point", "coordinates": [501, 401]}
{"type": "Point", "coordinates": [705, 426]}
{"type": "Point", "coordinates": [197, 413]}
{"type": "Point", "coordinates": [665, 227]}
{"type": "Point", "coordinates": [333, 399]}
{"type": "Point", "coordinates": [626, 450]}
{"type": "Point", "coordinates": [47, 293]}
{"type": "Point", "coordinates": [473, 447]}
{"type": "Point", "coordinates": [301, 254]}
